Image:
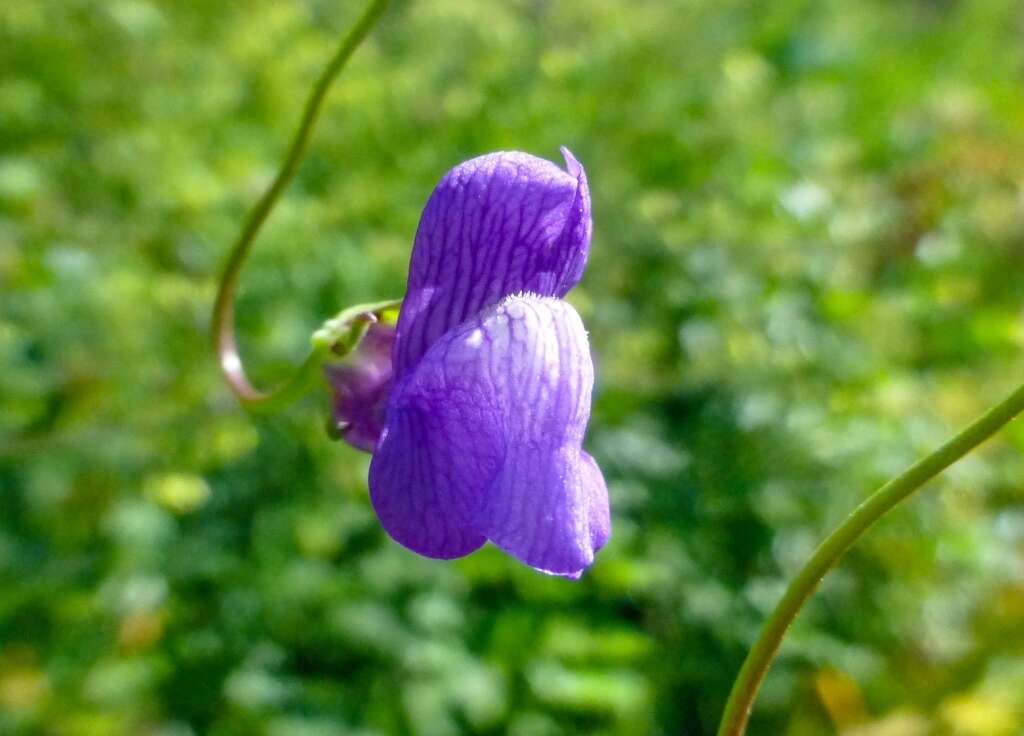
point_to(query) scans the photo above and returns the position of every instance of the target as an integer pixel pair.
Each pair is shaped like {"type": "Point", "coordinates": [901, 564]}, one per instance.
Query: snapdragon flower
{"type": "Point", "coordinates": [476, 417]}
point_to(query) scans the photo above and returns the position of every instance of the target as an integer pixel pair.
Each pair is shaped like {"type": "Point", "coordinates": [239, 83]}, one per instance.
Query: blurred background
{"type": "Point", "coordinates": [806, 273]}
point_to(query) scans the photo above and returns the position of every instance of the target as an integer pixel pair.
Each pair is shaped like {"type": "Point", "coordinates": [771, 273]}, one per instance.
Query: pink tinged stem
{"type": "Point", "coordinates": [223, 326]}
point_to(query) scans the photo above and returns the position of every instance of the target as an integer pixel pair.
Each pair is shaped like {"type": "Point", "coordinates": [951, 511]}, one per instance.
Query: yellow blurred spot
{"type": "Point", "coordinates": [140, 629]}
{"type": "Point", "coordinates": [841, 697]}
{"type": "Point", "coordinates": [228, 439]}
{"type": "Point", "coordinates": [22, 689]}
{"type": "Point", "coordinates": [957, 290]}
{"type": "Point", "coordinates": [894, 724]}
{"type": "Point", "coordinates": [179, 492]}
{"type": "Point", "coordinates": [318, 535]}
{"type": "Point", "coordinates": [22, 683]}
{"type": "Point", "coordinates": [746, 71]}
{"type": "Point", "coordinates": [980, 714]}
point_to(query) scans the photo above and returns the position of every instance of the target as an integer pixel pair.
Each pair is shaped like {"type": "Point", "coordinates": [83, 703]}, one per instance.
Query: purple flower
{"type": "Point", "coordinates": [492, 374]}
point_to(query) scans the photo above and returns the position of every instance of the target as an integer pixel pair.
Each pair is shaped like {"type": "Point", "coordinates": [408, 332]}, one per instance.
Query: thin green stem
{"type": "Point", "coordinates": [224, 308]}
{"type": "Point", "coordinates": [744, 690]}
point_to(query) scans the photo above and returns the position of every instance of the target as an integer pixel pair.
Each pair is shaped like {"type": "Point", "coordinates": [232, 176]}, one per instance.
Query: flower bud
{"type": "Point", "coordinates": [360, 384]}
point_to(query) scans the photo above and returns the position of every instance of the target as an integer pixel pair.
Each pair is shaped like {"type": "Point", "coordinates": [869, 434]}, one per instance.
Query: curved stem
{"type": "Point", "coordinates": [744, 690]}
{"type": "Point", "coordinates": [224, 308]}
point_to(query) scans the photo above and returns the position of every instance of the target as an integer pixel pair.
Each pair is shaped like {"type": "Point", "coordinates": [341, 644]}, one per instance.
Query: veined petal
{"type": "Point", "coordinates": [420, 485]}
{"type": "Point", "coordinates": [483, 440]}
{"type": "Point", "coordinates": [496, 225]}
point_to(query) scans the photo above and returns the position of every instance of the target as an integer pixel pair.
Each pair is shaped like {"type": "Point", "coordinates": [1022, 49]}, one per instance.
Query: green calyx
{"type": "Point", "coordinates": [341, 334]}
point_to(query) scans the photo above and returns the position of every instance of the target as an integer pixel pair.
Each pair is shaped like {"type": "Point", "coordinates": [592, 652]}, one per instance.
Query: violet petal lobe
{"type": "Point", "coordinates": [483, 441]}
{"type": "Point", "coordinates": [600, 513]}
{"type": "Point", "coordinates": [495, 225]}
{"type": "Point", "coordinates": [360, 385]}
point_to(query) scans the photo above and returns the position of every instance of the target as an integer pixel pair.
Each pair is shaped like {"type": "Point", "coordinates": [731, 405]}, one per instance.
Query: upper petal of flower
{"type": "Point", "coordinates": [483, 440]}
{"type": "Point", "coordinates": [496, 225]}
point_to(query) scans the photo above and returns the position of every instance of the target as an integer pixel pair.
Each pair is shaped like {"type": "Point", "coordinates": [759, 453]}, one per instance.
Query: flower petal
{"type": "Point", "coordinates": [419, 484]}
{"type": "Point", "coordinates": [496, 225]}
{"type": "Point", "coordinates": [483, 439]}
{"type": "Point", "coordinates": [600, 513]}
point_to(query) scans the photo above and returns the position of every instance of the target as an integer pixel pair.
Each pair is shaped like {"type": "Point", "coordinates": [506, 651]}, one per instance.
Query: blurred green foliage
{"type": "Point", "coordinates": [806, 272]}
